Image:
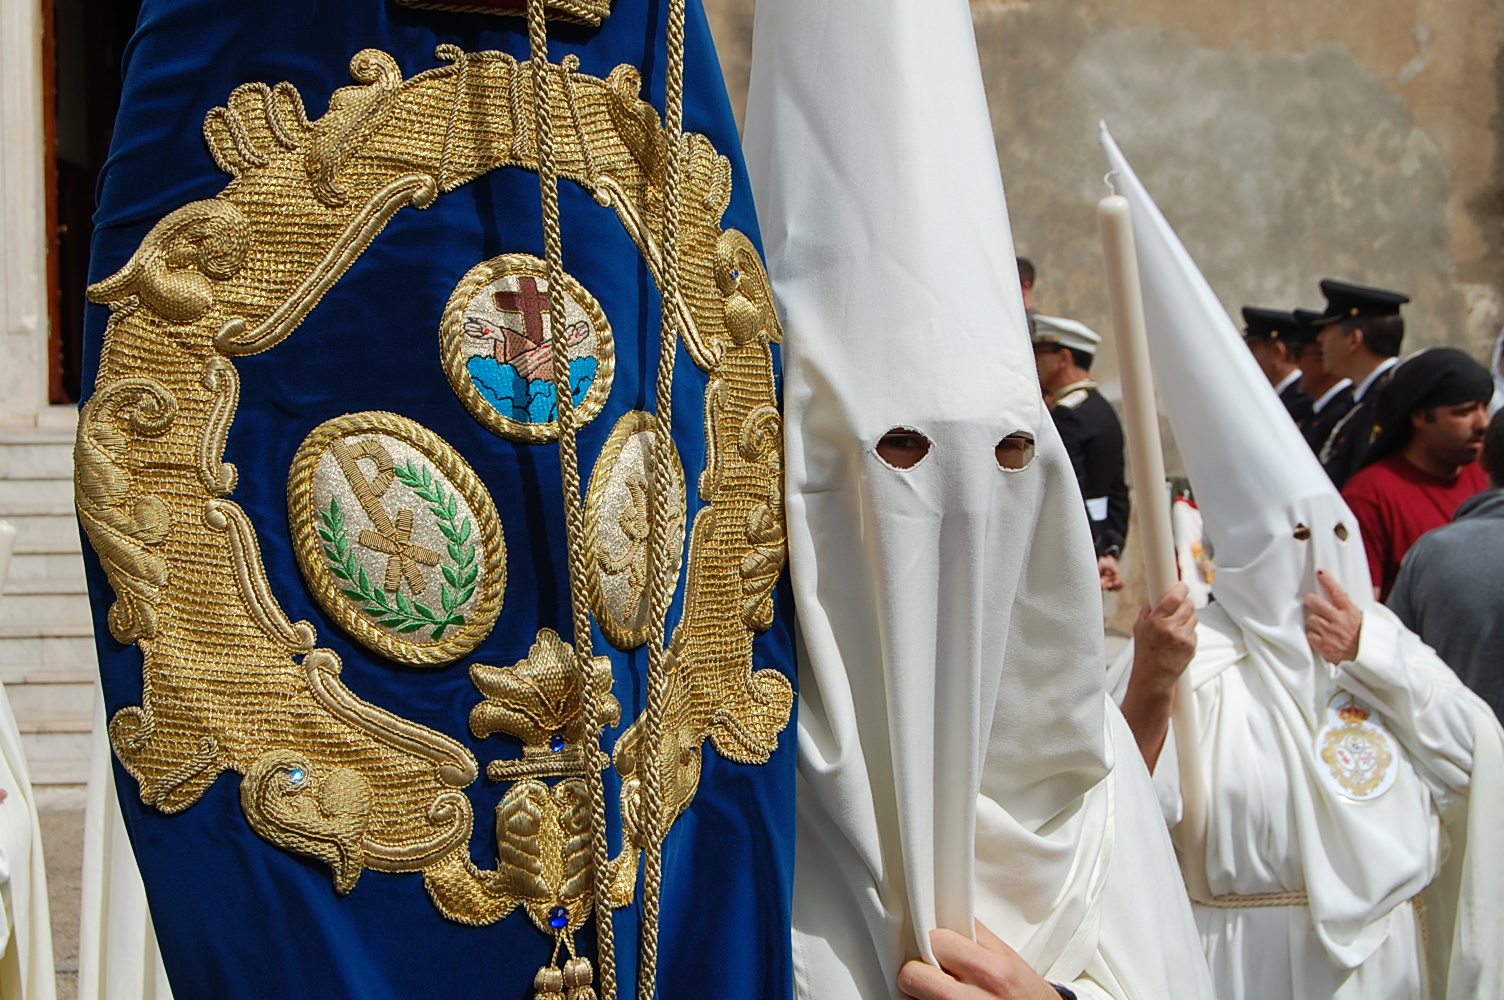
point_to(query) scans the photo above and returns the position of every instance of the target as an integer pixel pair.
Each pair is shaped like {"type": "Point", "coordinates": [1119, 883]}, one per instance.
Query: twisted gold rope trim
{"type": "Point", "coordinates": [660, 577]}
{"type": "Point", "coordinates": [574, 508]}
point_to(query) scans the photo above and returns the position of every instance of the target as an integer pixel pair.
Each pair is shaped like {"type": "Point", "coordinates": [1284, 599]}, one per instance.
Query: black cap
{"type": "Point", "coordinates": [1308, 324]}
{"type": "Point", "coordinates": [1436, 376]}
{"type": "Point", "coordinates": [1344, 300]}
{"type": "Point", "coordinates": [1267, 324]}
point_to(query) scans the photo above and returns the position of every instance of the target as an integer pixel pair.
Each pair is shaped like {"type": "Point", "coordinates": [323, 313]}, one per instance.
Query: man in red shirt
{"type": "Point", "coordinates": [1424, 459]}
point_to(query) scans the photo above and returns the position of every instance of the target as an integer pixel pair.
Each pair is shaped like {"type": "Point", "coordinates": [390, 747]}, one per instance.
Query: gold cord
{"type": "Point", "coordinates": [661, 561]}
{"type": "Point", "coordinates": [574, 510]}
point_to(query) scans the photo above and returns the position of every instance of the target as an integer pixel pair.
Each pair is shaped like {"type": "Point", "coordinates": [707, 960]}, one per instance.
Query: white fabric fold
{"type": "Point", "coordinates": [118, 958]}
{"type": "Point", "coordinates": [956, 748]}
{"type": "Point", "coordinates": [1278, 819]}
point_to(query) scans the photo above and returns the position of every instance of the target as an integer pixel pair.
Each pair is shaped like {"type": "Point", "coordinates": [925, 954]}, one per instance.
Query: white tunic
{"type": "Point", "coordinates": [1364, 785]}
{"type": "Point", "coordinates": [958, 757]}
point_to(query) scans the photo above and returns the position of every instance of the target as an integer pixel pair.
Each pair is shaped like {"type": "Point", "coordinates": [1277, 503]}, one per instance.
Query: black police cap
{"type": "Point", "coordinates": [1345, 300]}
{"type": "Point", "coordinates": [1267, 324]}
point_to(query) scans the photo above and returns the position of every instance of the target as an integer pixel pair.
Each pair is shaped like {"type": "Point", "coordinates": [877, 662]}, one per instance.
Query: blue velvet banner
{"type": "Point", "coordinates": [237, 916]}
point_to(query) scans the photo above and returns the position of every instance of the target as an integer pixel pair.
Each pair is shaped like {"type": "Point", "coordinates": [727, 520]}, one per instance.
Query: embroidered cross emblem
{"type": "Point", "coordinates": [530, 302]}
{"type": "Point", "coordinates": [394, 538]}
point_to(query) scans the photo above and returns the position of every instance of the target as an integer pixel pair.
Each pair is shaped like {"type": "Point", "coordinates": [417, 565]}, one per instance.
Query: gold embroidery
{"type": "Point", "coordinates": [542, 832]}
{"type": "Point", "coordinates": [1356, 750]}
{"type": "Point", "coordinates": [320, 814]}
{"type": "Point", "coordinates": [617, 507]}
{"type": "Point", "coordinates": [374, 580]}
{"type": "Point", "coordinates": [541, 702]}
{"type": "Point", "coordinates": [221, 379]}
{"type": "Point", "coordinates": [237, 338]}
{"type": "Point", "coordinates": [495, 332]}
{"type": "Point", "coordinates": [175, 270]}
{"type": "Point", "coordinates": [223, 687]}
{"type": "Point", "coordinates": [124, 524]}
{"type": "Point", "coordinates": [591, 12]}
{"type": "Point", "coordinates": [250, 575]}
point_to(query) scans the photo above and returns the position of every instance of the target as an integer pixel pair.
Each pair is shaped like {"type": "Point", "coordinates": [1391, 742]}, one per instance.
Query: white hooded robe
{"type": "Point", "coordinates": [1338, 792]}
{"type": "Point", "coordinates": [958, 756]}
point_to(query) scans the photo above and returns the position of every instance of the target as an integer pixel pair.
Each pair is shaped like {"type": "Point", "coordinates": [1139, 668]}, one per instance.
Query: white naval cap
{"type": "Point", "coordinates": [1066, 333]}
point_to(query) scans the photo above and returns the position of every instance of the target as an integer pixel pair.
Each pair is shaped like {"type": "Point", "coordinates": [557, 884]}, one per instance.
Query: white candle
{"type": "Point", "coordinates": [1146, 457]}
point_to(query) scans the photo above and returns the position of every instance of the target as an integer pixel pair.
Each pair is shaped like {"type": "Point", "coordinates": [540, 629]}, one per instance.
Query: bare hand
{"type": "Point", "coordinates": [1107, 569]}
{"type": "Point", "coordinates": [1333, 626]}
{"type": "Point", "coordinates": [985, 969]}
{"type": "Point", "coordinates": [1164, 639]}
{"type": "Point", "coordinates": [1164, 642]}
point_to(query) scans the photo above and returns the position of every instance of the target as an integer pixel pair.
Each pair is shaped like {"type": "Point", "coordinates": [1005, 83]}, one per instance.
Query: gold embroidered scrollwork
{"type": "Point", "coordinates": [124, 524]}
{"type": "Point", "coordinates": [229, 682]}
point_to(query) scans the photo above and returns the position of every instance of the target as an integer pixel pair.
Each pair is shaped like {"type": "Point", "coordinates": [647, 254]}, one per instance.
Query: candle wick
{"type": "Point", "coordinates": [1107, 179]}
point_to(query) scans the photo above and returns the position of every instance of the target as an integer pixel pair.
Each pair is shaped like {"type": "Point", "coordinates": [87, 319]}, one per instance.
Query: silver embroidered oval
{"type": "Point", "coordinates": [397, 537]}
{"type": "Point", "coordinates": [619, 507]}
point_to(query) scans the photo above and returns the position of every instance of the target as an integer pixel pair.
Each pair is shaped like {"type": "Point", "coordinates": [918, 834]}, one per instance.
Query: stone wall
{"type": "Point", "coordinates": [1286, 140]}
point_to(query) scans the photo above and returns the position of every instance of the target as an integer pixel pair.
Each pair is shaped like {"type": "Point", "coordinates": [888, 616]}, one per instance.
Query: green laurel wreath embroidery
{"type": "Point", "coordinates": [396, 611]}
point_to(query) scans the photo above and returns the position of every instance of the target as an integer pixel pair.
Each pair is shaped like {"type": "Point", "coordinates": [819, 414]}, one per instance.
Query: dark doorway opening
{"type": "Point", "coordinates": [84, 41]}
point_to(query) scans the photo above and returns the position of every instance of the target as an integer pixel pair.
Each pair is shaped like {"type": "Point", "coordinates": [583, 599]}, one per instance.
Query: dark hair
{"type": "Point", "coordinates": [1025, 271]}
{"type": "Point", "coordinates": [1082, 359]}
{"type": "Point", "coordinates": [1493, 449]}
{"type": "Point", "coordinates": [1381, 334]}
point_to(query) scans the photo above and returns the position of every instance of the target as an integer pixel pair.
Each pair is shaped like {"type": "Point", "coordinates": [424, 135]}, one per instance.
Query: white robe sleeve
{"type": "Point", "coordinates": [26, 969]}
{"type": "Point", "coordinates": [1459, 749]}
{"type": "Point", "coordinates": [118, 957]}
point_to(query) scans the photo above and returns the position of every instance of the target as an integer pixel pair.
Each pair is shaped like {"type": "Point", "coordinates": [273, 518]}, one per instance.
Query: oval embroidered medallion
{"type": "Point", "coordinates": [498, 348]}
{"type": "Point", "coordinates": [618, 510]}
{"type": "Point", "coordinates": [397, 537]}
{"type": "Point", "coordinates": [1358, 753]}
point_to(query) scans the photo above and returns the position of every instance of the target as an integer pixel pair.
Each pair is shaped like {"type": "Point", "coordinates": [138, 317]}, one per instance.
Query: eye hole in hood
{"type": "Point", "coordinates": [1015, 451]}
{"type": "Point", "coordinates": [903, 448]}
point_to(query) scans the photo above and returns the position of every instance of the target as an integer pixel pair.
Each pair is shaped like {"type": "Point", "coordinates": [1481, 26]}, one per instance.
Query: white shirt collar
{"type": "Point", "coordinates": [1384, 366]}
{"type": "Point", "coordinates": [1329, 395]}
{"type": "Point", "coordinates": [1285, 382]}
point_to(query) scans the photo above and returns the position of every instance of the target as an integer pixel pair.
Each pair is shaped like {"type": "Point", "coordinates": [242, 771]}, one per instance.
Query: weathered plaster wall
{"type": "Point", "coordinates": [1286, 140]}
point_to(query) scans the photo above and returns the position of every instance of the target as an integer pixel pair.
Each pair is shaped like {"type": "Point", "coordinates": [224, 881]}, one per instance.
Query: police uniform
{"type": "Point", "coordinates": [1093, 438]}
{"type": "Point", "coordinates": [1328, 409]}
{"type": "Point", "coordinates": [1342, 454]}
{"type": "Point", "coordinates": [1277, 325]}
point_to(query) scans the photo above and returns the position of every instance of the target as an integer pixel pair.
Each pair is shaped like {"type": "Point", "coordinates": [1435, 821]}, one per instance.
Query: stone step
{"type": "Point", "coordinates": [31, 673]}
{"type": "Point", "coordinates": [19, 497]}
{"type": "Point", "coordinates": [32, 573]}
{"type": "Point", "coordinates": [60, 743]}
{"type": "Point", "coordinates": [50, 699]}
{"type": "Point", "coordinates": [57, 723]}
{"type": "Point", "coordinates": [24, 648]}
{"type": "Point", "coordinates": [59, 772]}
{"type": "Point", "coordinates": [31, 454]}
{"type": "Point", "coordinates": [41, 612]}
{"type": "Point", "coordinates": [47, 534]}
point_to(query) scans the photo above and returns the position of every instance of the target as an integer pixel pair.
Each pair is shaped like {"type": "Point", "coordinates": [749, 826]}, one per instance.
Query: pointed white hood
{"type": "Point", "coordinates": [1271, 513]}
{"type": "Point", "coordinates": [951, 721]}
{"type": "Point", "coordinates": [1273, 518]}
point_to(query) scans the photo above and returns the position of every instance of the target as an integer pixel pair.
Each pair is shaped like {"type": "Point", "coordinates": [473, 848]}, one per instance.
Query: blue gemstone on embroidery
{"type": "Point", "coordinates": [527, 401]}
{"type": "Point", "coordinates": [556, 742]}
{"type": "Point", "coordinates": [296, 775]}
{"type": "Point", "coordinates": [558, 918]}
{"type": "Point", "coordinates": [736, 275]}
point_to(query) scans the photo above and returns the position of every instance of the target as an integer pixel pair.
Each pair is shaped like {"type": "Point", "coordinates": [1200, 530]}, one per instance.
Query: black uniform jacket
{"type": "Point", "coordinates": [1342, 455]}
{"type": "Point", "coordinates": [1296, 401]}
{"type": "Point", "coordinates": [1094, 440]}
{"type": "Point", "coordinates": [1317, 425]}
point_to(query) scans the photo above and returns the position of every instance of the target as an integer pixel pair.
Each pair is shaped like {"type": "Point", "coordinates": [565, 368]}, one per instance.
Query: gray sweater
{"type": "Point", "coordinates": [1450, 592]}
